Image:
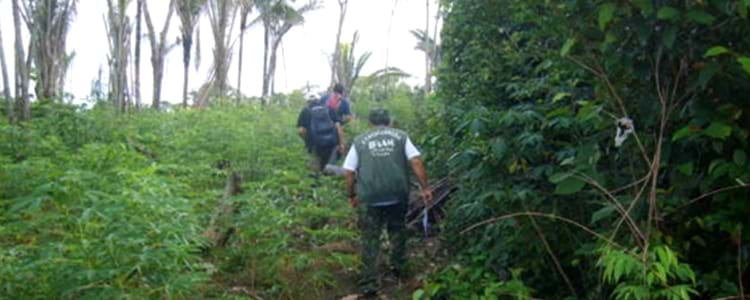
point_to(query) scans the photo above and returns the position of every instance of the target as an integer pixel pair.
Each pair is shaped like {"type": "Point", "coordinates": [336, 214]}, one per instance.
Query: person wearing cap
{"type": "Point", "coordinates": [377, 183]}
{"type": "Point", "coordinates": [323, 135]}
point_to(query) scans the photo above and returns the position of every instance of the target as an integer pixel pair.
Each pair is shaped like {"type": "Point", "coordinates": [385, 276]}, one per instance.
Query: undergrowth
{"type": "Point", "coordinates": [99, 206]}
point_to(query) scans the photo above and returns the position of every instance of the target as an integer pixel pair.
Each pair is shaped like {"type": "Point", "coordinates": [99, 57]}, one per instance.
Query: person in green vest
{"type": "Point", "coordinates": [377, 180]}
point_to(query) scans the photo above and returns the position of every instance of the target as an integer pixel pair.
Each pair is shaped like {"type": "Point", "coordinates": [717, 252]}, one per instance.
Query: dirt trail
{"type": "Point", "coordinates": [424, 258]}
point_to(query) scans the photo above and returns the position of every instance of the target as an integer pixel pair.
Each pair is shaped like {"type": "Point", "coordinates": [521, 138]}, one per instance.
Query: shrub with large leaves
{"type": "Point", "coordinates": [533, 92]}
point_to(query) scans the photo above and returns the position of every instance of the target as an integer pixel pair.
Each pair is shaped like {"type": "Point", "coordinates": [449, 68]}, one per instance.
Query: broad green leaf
{"type": "Point", "coordinates": [568, 186]}
{"type": "Point", "coordinates": [555, 178]}
{"type": "Point", "coordinates": [418, 294]}
{"type": "Point", "coordinates": [606, 13]}
{"type": "Point", "coordinates": [610, 37]}
{"type": "Point", "coordinates": [686, 168]}
{"type": "Point", "coordinates": [602, 213]}
{"type": "Point", "coordinates": [740, 157]}
{"type": "Point", "coordinates": [720, 170]}
{"type": "Point", "coordinates": [560, 112]}
{"type": "Point", "coordinates": [745, 62]}
{"type": "Point", "coordinates": [670, 35]}
{"type": "Point", "coordinates": [667, 13]}
{"type": "Point", "coordinates": [645, 6]}
{"type": "Point", "coordinates": [685, 132]}
{"type": "Point", "coordinates": [742, 11]}
{"type": "Point", "coordinates": [715, 164]}
{"type": "Point", "coordinates": [701, 17]}
{"type": "Point", "coordinates": [560, 96]}
{"type": "Point", "coordinates": [499, 148]}
{"type": "Point", "coordinates": [716, 50]}
{"type": "Point", "coordinates": [707, 73]}
{"type": "Point", "coordinates": [718, 130]}
{"type": "Point", "coordinates": [569, 43]}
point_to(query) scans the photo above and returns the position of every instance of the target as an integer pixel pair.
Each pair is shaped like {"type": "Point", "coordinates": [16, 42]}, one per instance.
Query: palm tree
{"type": "Point", "coordinates": [189, 11]}
{"type": "Point", "coordinates": [380, 84]}
{"type": "Point", "coordinates": [246, 7]}
{"type": "Point", "coordinates": [221, 14]}
{"type": "Point", "coordinates": [343, 4]}
{"type": "Point", "coordinates": [6, 84]}
{"type": "Point", "coordinates": [48, 22]}
{"type": "Point", "coordinates": [159, 50]}
{"type": "Point", "coordinates": [278, 17]}
{"type": "Point", "coordinates": [348, 66]}
{"type": "Point", "coordinates": [21, 67]}
{"type": "Point", "coordinates": [118, 29]}
{"type": "Point", "coordinates": [427, 44]}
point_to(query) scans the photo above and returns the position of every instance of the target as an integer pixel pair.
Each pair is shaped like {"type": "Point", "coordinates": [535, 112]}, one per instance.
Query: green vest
{"type": "Point", "coordinates": [382, 170]}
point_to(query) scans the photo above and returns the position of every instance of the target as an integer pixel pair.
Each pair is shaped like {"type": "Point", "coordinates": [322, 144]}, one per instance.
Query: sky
{"type": "Point", "coordinates": [302, 56]}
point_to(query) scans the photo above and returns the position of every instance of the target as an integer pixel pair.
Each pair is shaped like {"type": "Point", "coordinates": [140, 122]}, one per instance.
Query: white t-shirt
{"type": "Point", "coordinates": [352, 160]}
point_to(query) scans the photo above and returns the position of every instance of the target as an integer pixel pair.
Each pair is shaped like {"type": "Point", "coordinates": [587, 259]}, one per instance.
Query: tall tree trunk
{"type": "Point", "coordinates": [138, 36]}
{"type": "Point", "coordinates": [188, 11]}
{"type": "Point", "coordinates": [244, 13]}
{"type": "Point", "coordinates": [223, 17]}
{"type": "Point", "coordinates": [435, 48]}
{"type": "Point", "coordinates": [239, 67]}
{"type": "Point", "coordinates": [337, 50]}
{"type": "Point", "coordinates": [187, 44]}
{"type": "Point", "coordinates": [21, 68]}
{"type": "Point", "coordinates": [118, 35]}
{"type": "Point", "coordinates": [272, 64]}
{"type": "Point", "coordinates": [158, 73]}
{"type": "Point", "coordinates": [159, 50]}
{"type": "Point", "coordinates": [6, 83]}
{"type": "Point", "coordinates": [427, 64]}
{"type": "Point", "coordinates": [272, 67]}
{"type": "Point", "coordinates": [266, 76]}
{"type": "Point", "coordinates": [48, 23]}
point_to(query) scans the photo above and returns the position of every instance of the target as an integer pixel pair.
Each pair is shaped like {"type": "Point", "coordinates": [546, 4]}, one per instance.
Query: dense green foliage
{"type": "Point", "coordinates": [95, 205]}
{"type": "Point", "coordinates": [532, 91]}
{"type": "Point", "coordinates": [99, 206]}
{"type": "Point", "coordinates": [530, 94]}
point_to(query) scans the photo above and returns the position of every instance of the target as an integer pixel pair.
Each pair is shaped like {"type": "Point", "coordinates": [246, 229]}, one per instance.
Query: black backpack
{"type": "Point", "coordinates": [322, 129]}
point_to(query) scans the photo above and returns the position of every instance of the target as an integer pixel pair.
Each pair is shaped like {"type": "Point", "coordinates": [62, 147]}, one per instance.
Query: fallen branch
{"type": "Point", "coordinates": [219, 231]}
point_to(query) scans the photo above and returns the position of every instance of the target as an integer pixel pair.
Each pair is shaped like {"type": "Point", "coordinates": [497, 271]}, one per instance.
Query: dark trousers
{"type": "Point", "coordinates": [372, 221]}
{"type": "Point", "coordinates": [320, 156]}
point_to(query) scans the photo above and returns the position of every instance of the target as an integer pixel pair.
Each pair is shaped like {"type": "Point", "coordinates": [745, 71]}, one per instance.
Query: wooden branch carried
{"type": "Point", "coordinates": [441, 190]}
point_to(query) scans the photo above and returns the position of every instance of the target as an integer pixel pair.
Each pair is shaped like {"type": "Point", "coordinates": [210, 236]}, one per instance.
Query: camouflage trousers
{"type": "Point", "coordinates": [372, 221]}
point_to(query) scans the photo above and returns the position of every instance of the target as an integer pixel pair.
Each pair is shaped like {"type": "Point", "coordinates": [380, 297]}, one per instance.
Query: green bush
{"type": "Point", "coordinates": [531, 92]}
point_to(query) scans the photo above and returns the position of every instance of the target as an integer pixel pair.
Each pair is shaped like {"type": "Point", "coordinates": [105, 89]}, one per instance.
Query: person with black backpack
{"type": "Point", "coordinates": [337, 101]}
{"type": "Point", "coordinates": [320, 127]}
